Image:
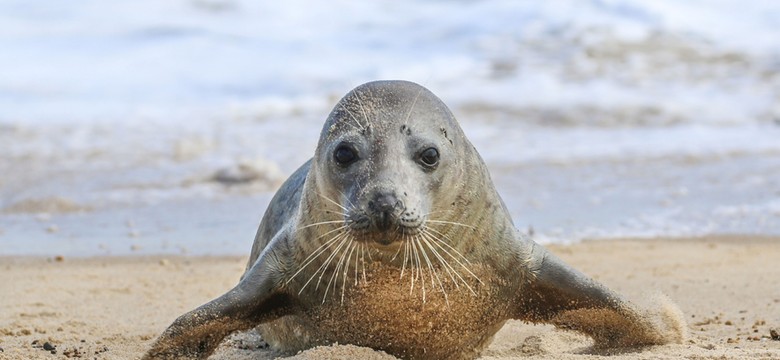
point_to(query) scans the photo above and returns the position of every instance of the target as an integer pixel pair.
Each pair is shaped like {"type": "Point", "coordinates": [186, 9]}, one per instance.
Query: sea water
{"type": "Point", "coordinates": [165, 127]}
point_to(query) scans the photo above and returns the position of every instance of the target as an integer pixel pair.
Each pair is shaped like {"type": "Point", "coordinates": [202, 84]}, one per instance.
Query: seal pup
{"type": "Point", "coordinates": [393, 237]}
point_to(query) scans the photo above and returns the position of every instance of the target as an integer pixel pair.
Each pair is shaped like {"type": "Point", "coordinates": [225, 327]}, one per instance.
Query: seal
{"type": "Point", "coordinates": [393, 237]}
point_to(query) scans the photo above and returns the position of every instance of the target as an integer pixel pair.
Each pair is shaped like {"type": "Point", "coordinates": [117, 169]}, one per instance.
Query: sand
{"type": "Point", "coordinates": [113, 307]}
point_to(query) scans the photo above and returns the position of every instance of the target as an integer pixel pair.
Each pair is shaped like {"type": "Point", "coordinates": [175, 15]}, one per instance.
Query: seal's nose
{"type": "Point", "coordinates": [385, 207]}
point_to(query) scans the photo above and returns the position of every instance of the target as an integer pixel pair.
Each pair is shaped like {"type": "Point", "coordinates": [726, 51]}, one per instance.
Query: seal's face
{"type": "Point", "coordinates": [384, 156]}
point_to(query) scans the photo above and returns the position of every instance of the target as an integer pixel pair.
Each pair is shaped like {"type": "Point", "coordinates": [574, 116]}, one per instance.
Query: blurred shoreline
{"type": "Point", "coordinates": [560, 202]}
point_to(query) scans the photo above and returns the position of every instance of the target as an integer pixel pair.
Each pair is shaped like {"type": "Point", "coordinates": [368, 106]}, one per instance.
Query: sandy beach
{"type": "Point", "coordinates": [113, 307]}
{"type": "Point", "coordinates": [141, 142]}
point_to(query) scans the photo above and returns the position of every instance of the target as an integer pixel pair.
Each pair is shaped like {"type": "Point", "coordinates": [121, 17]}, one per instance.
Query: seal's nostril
{"type": "Point", "coordinates": [385, 207]}
{"type": "Point", "coordinates": [385, 203]}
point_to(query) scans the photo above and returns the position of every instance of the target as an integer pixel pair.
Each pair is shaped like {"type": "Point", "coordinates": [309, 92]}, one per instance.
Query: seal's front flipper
{"type": "Point", "coordinates": [558, 294]}
{"type": "Point", "coordinates": [196, 334]}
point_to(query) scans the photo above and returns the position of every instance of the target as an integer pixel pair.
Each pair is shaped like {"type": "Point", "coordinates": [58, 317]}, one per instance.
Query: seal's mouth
{"type": "Point", "coordinates": [385, 241]}
{"type": "Point", "coordinates": [382, 218]}
{"type": "Point", "coordinates": [384, 230]}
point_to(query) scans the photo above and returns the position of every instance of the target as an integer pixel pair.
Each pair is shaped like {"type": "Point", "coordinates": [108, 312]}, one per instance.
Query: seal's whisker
{"type": "Point", "coordinates": [414, 102]}
{"type": "Point", "coordinates": [399, 249]}
{"type": "Point", "coordinates": [331, 231]}
{"type": "Point", "coordinates": [406, 256]}
{"type": "Point", "coordinates": [329, 259]}
{"type": "Point", "coordinates": [343, 266]}
{"type": "Point", "coordinates": [433, 270]}
{"type": "Point", "coordinates": [315, 254]}
{"type": "Point", "coordinates": [340, 229]}
{"type": "Point", "coordinates": [447, 244]}
{"type": "Point", "coordinates": [460, 277]}
{"type": "Point", "coordinates": [450, 223]}
{"type": "Point", "coordinates": [417, 263]}
{"type": "Point", "coordinates": [332, 274]}
{"type": "Point", "coordinates": [340, 213]}
{"type": "Point", "coordinates": [420, 269]}
{"type": "Point", "coordinates": [447, 267]}
{"type": "Point", "coordinates": [411, 266]}
{"type": "Point", "coordinates": [360, 126]}
{"type": "Point", "coordinates": [338, 240]}
{"type": "Point", "coordinates": [322, 223]}
{"type": "Point", "coordinates": [437, 242]}
{"type": "Point", "coordinates": [349, 203]}
{"type": "Point", "coordinates": [346, 269]}
{"type": "Point", "coordinates": [426, 258]}
{"type": "Point", "coordinates": [443, 245]}
{"type": "Point", "coordinates": [363, 260]}
{"type": "Point", "coordinates": [334, 202]}
{"type": "Point", "coordinates": [414, 273]}
{"type": "Point", "coordinates": [339, 264]}
{"type": "Point", "coordinates": [396, 253]}
{"type": "Point", "coordinates": [357, 257]}
{"type": "Point", "coordinates": [451, 272]}
{"type": "Point", "coordinates": [362, 108]}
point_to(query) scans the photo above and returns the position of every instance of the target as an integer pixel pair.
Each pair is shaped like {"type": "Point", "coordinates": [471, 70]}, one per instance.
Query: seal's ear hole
{"type": "Point", "coordinates": [345, 155]}
{"type": "Point", "coordinates": [429, 157]}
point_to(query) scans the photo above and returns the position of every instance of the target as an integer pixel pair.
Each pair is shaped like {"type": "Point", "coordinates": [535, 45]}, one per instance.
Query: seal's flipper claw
{"type": "Point", "coordinates": [196, 334]}
{"type": "Point", "coordinates": [561, 295]}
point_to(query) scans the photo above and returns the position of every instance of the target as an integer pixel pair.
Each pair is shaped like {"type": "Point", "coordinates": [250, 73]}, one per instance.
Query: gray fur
{"type": "Point", "coordinates": [500, 275]}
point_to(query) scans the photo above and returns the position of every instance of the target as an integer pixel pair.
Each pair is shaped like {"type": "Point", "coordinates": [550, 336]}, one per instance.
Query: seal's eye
{"type": "Point", "coordinates": [345, 155]}
{"type": "Point", "coordinates": [429, 157]}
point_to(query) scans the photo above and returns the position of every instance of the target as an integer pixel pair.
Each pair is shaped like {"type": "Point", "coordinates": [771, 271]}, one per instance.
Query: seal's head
{"type": "Point", "coordinates": [385, 155]}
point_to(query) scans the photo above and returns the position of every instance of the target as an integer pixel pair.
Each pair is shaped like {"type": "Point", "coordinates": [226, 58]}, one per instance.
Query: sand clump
{"type": "Point", "coordinates": [336, 352]}
{"type": "Point", "coordinates": [672, 326]}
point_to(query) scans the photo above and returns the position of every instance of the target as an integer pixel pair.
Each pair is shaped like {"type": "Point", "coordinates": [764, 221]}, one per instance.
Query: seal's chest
{"type": "Point", "coordinates": [432, 317]}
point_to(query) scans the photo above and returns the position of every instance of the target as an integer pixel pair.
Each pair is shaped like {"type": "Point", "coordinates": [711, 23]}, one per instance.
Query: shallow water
{"type": "Point", "coordinates": [598, 119]}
